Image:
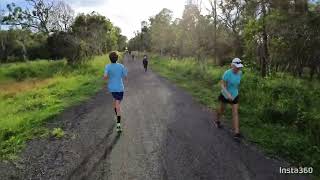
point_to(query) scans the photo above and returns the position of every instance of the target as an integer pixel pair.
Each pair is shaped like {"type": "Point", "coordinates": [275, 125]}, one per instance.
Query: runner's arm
{"type": "Point", "coordinates": [105, 75]}
{"type": "Point", "coordinates": [224, 88]}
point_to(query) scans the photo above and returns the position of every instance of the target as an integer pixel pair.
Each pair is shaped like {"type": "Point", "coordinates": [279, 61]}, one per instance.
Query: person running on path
{"type": "Point", "coordinates": [145, 63]}
{"type": "Point", "coordinates": [115, 73]}
{"type": "Point", "coordinates": [230, 95]}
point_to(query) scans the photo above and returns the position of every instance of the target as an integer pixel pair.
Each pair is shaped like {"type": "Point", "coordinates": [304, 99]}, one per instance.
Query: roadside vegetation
{"type": "Point", "coordinates": [279, 113]}
{"type": "Point", "coordinates": [33, 93]}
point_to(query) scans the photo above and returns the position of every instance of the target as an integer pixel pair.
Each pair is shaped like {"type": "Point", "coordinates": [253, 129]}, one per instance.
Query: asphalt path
{"type": "Point", "coordinates": [167, 135]}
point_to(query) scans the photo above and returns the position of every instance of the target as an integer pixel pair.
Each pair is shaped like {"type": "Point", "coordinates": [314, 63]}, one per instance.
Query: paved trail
{"type": "Point", "coordinates": [167, 135]}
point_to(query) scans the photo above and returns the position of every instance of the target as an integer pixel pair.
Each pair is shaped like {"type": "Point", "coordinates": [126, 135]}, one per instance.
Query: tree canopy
{"type": "Point", "coordinates": [49, 29]}
{"type": "Point", "coordinates": [270, 35]}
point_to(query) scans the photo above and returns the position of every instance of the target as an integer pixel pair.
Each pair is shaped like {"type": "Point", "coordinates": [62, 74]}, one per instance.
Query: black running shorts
{"type": "Point", "coordinates": [117, 95]}
{"type": "Point", "coordinates": [227, 101]}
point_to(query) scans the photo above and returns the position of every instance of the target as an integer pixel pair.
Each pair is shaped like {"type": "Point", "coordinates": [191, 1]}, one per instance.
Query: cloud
{"type": "Point", "coordinates": [86, 3]}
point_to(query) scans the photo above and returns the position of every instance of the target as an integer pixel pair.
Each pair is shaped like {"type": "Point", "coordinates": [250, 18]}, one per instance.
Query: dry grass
{"type": "Point", "coordinates": [28, 85]}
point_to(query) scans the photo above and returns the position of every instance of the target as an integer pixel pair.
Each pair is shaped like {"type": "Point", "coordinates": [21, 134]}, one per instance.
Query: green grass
{"type": "Point", "coordinates": [57, 86]}
{"type": "Point", "coordinates": [36, 69]}
{"type": "Point", "coordinates": [57, 132]}
{"type": "Point", "coordinates": [280, 113]}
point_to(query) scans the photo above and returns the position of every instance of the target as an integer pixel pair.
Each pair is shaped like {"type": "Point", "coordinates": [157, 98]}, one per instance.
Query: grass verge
{"type": "Point", "coordinates": [35, 92]}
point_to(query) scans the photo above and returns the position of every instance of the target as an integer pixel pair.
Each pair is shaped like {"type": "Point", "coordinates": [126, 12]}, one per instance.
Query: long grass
{"type": "Point", "coordinates": [279, 113]}
{"type": "Point", "coordinates": [25, 108]}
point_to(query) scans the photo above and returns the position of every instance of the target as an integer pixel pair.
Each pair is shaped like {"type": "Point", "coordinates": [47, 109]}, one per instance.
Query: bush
{"type": "Point", "coordinates": [38, 69]}
{"type": "Point", "coordinates": [66, 45]}
{"type": "Point", "coordinates": [20, 45]}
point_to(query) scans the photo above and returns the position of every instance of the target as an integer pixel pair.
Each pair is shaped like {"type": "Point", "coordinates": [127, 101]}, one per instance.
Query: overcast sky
{"type": "Point", "coordinates": [126, 14]}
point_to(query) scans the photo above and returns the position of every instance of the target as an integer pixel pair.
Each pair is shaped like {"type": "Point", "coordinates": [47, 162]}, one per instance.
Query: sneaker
{"type": "Point", "coordinates": [237, 137]}
{"type": "Point", "coordinates": [119, 129]}
{"type": "Point", "coordinates": [218, 124]}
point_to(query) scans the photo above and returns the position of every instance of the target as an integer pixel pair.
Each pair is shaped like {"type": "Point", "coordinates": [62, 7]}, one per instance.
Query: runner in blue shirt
{"type": "Point", "coordinates": [230, 95]}
{"type": "Point", "coordinates": [115, 73]}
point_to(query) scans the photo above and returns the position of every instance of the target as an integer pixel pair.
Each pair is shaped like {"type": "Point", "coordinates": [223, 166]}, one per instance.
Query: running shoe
{"type": "Point", "coordinates": [218, 124]}
{"type": "Point", "coordinates": [119, 129]}
{"type": "Point", "coordinates": [237, 137]}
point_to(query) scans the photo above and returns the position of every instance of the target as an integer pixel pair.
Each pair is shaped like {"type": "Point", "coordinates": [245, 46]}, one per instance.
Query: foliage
{"type": "Point", "coordinates": [43, 16]}
{"type": "Point", "coordinates": [270, 35]}
{"type": "Point", "coordinates": [77, 40]}
{"type": "Point", "coordinates": [66, 45]}
{"type": "Point", "coordinates": [38, 69]}
{"type": "Point", "coordinates": [20, 45]}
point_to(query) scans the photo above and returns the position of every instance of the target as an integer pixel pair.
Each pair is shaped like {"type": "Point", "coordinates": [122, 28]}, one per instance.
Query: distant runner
{"type": "Point", "coordinates": [145, 63]}
{"type": "Point", "coordinates": [115, 73]}
{"type": "Point", "coordinates": [230, 95]}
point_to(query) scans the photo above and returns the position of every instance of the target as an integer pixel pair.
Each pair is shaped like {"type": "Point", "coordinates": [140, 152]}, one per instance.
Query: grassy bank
{"type": "Point", "coordinates": [33, 93]}
{"type": "Point", "coordinates": [279, 114]}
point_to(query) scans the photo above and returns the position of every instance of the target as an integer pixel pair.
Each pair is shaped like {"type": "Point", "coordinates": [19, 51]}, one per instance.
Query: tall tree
{"type": "Point", "coordinates": [160, 31]}
{"type": "Point", "coordinates": [41, 15]}
{"type": "Point", "coordinates": [61, 16]}
{"type": "Point", "coordinates": [232, 17]}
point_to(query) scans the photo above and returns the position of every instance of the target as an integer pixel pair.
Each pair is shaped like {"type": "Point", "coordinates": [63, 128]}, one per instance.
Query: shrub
{"type": "Point", "coordinates": [37, 69]}
{"type": "Point", "coordinates": [66, 45]}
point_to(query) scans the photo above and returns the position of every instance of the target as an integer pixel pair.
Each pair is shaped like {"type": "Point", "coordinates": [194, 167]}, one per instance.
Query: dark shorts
{"type": "Point", "coordinates": [224, 100]}
{"type": "Point", "coordinates": [117, 95]}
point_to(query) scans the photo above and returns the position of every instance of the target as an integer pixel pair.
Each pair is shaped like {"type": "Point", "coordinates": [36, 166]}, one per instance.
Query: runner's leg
{"type": "Point", "coordinates": [117, 104]}
{"type": "Point", "coordinates": [235, 118]}
{"type": "Point", "coordinates": [114, 106]}
{"type": "Point", "coordinates": [221, 110]}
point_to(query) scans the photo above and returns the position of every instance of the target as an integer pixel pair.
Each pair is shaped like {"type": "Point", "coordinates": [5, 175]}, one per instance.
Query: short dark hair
{"type": "Point", "coordinates": [113, 57]}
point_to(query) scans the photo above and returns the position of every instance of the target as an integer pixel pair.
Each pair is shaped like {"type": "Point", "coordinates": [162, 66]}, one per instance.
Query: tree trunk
{"type": "Point", "coordinates": [312, 71]}
{"type": "Point", "coordinates": [265, 57]}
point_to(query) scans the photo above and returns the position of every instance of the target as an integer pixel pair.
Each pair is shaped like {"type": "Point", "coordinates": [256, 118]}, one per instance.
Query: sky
{"type": "Point", "coordinates": [126, 14]}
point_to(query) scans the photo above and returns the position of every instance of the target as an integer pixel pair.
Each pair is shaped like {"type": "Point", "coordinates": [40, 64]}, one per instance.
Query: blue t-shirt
{"type": "Point", "coordinates": [233, 82]}
{"type": "Point", "coordinates": [115, 72]}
